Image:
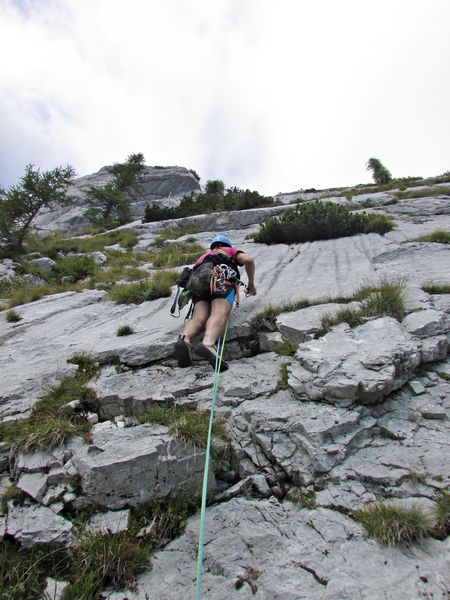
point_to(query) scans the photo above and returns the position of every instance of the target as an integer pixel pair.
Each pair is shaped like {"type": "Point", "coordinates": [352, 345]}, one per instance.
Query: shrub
{"type": "Point", "coordinates": [394, 525]}
{"type": "Point", "coordinates": [12, 316]}
{"type": "Point", "coordinates": [124, 330]}
{"type": "Point", "coordinates": [158, 286]}
{"type": "Point", "coordinates": [285, 348]}
{"type": "Point", "coordinates": [189, 425]}
{"type": "Point", "coordinates": [318, 221]}
{"type": "Point", "coordinates": [75, 267]}
{"type": "Point", "coordinates": [379, 172]}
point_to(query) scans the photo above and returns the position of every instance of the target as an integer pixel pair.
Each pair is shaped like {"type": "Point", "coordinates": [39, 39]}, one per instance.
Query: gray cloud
{"type": "Point", "coordinates": [271, 96]}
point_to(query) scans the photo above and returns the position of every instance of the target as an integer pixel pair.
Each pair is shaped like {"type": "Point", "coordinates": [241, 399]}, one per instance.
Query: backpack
{"type": "Point", "coordinates": [217, 274]}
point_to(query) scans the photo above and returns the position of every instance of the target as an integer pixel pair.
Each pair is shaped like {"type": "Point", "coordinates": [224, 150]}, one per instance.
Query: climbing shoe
{"type": "Point", "coordinates": [209, 353]}
{"type": "Point", "coordinates": [183, 353]}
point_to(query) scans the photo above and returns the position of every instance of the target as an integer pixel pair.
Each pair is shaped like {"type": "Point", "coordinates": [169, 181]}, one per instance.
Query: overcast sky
{"type": "Point", "coordinates": [273, 95]}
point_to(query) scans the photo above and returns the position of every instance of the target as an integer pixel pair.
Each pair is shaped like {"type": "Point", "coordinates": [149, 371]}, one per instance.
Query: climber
{"type": "Point", "coordinates": [212, 310]}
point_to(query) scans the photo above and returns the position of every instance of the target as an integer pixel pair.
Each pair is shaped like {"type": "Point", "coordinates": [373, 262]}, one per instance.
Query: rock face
{"type": "Point", "coordinates": [348, 418]}
{"type": "Point", "coordinates": [131, 466]}
{"type": "Point", "coordinates": [162, 185]}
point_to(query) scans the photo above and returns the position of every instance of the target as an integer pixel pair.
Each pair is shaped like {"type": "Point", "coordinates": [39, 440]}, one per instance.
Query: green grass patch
{"type": "Point", "coordinates": [75, 267]}
{"type": "Point", "coordinates": [283, 378]}
{"type": "Point", "coordinates": [394, 525]}
{"type": "Point", "coordinates": [177, 254]}
{"type": "Point", "coordinates": [442, 514]}
{"type": "Point", "coordinates": [426, 193]}
{"type": "Point", "coordinates": [285, 348]}
{"type": "Point", "coordinates": [12, 316]}
{"type": "Point", "coordinates": [157, 286]}
{"type": "Point", "coordinates": [176, 232]}
{"type": "Point", "coordinates": [319, 221]}
{"type": "Point", "coordinates": [124, 330]}
{"type": "Point", "coordinates": [189, 425]}
{"type": "Point", "coordinates": [53, 244]}
{"type": "Point", "coordinates": [87, 365]}
{"type": "Point", "coordinates": [384, 298]}
{"type": "Point", "coordinates": [440, 236]}
{"type": "Point", "coordinates": [302, 498]}
{"type": "Point", "coordinates": [48, 425]}
{"type": "Point", "coordinates": [436, 288]}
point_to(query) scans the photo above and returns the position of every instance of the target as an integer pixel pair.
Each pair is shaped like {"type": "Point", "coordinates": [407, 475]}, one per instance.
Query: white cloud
{"type": "Point", "coordinates": [271, 96]}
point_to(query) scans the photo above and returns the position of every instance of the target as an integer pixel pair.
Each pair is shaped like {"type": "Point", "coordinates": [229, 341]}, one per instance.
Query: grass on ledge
{"type": "Point", "coordinates": [189, 425]}
{"type": "Point", "coordinates": [436, 288]}
{"type": "Point", "coordinates": [176, 254]}
{"type": "Point", "coordinates": [440, 236]}
{"type": "Point", "coordinates": [394, 525]}
{"type": "Point", "coordinates": [48, 425]}
{"type": "Point", "coordinates": [157, 286]}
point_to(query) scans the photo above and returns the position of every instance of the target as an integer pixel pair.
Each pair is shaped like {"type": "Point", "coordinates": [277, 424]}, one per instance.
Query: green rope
{"type": "Point", "coordinates": [208, 453]}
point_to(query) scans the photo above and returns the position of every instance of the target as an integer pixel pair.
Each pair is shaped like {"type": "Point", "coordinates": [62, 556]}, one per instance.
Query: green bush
{"type": "Point", "coordinates": [75, 267]}
{"type": "Point", "coordinates": [394, 525]}
{"type": "Point", "coordinates": [158, 286]}
{"type": "Point", "coordinates": [214, 199]}
{"type": "Point", "coordinates": [319, 221]}
{"type": "Point", "coordinates": [379, 172]}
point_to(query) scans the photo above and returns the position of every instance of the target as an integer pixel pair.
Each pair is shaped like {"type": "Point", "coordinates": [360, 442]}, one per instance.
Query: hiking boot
{"type": "Point", "coordinates": [209, 353]}
{"type": "Point", "coordinates": [183, 353]}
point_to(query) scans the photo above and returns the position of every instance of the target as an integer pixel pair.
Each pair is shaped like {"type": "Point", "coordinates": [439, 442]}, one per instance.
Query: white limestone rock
{"type": "Point", "coordinates": [32, 524]}
{"type": "Point", "coordinates": [33, 484]}
{"type": "Point", "coordinates": [109, 522]}
{"type": "Point", "coordinates": [126, 467]}
{"type": "Point", "coordinates": [45, 264]}
{"type": "Point", "coordinates": [362, 365]}
{"type": "Point", "coordinates": [292, 554]}
{"type": "Point", "coordinates": [54, 589]}
{"type": "Point", "coordinates": [427, 323]}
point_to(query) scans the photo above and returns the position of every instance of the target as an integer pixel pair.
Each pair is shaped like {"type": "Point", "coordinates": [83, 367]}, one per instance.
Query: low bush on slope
{"type": "Point", "coordinates": [320, 221]}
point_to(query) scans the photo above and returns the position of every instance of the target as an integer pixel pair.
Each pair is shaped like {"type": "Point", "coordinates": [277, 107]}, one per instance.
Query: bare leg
{"type": "Point", "coordinates": [220, 313]}
{"type": "Point", "coordinates": [202, 311]}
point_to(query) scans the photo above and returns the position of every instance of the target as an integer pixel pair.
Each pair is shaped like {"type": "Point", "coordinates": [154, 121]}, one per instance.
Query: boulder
{"type": "Point", "coordinates": [361, 365]}
{"type": "Point", "coordinates": [33, 484]}
{"type": "Point", "coordinates": [54, 589]}
{"type": "Point", "coordinates": [32, 524]}
{"type": "Point", "coordinates": [126, 467]}
{"type": "Point", "coordinates": [45, 264]}
{"type": "Point", "coordinates": [426, 323]}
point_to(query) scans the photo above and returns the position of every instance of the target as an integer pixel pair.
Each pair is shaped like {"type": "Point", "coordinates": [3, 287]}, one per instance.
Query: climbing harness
{"type": "Point", "coordinates": [220, 348]}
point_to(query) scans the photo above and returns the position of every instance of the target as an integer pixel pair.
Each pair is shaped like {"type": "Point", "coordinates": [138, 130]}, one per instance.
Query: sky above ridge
{"type": "Point", "coordinates": [271, 96]}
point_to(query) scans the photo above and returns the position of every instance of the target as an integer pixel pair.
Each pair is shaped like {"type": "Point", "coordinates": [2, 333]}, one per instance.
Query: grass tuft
{"type": "Point", "coordinates": [12, 316]}
{"type": "Point", "coordinates": [176, 254]}
{"type": "Point", "coordinates": [394, 525]}
{"type": "Point", "coordinates": [442, 514]}
{"type": "Point", "coordinates": [124, 330]}
{"type": "Point", "coordinates": [436, 288]}
{"type": "Point", "coordinates": [87, 366]}
{"type": "Point", "coordinates": [439, 237]}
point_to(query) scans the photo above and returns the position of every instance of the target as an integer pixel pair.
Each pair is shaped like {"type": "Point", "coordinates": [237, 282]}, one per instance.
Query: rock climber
{"type": "Point", "coordinates": [212, 311]}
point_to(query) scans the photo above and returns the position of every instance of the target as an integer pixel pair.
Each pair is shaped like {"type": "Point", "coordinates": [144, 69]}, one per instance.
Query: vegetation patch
{"type": "Point", "coordinates": [442, 514]}
{"type": "Point", "coordinates": [423, 193]}
{"type": "Point", "coordinates": [436, 288]}
{"type": "Point", "coordinates": [214, 199]}
{"type": "Point", "coordinates": [12, 316]}
{"type": "Point", "coordinates": [176, 232]}
{"type": "Point", "coordinates": [394, 525]}
{"type": "Point", "coordinates": [440, 236]}
{"type": "Point", "coordinates": [49, 425]}
{"type": "Point", "coordinates": [75, 267]}
{"type": "Point", "coordinates": [189, 425]}
{"type": "Point", "coordinates": [124, 330]}
{"type": "Point", "coordinates": [285, 348]}
{"type": "Point", "coordinates": [157, 286]}
{"type": "Point", "coordinates": [303, 498]}
{"type": "Point", "coordinates": [320, 221]}
{"type": "Point", "coordinates": [87, 365]}
{"type": "Point", "coordinates": [55, 243]}
{"type": "Point", "coordinates": [177, 254]}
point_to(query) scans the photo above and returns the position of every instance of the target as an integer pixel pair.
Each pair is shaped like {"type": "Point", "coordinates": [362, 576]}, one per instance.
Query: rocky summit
{"type": "Point", "coordinates": [350, 415]}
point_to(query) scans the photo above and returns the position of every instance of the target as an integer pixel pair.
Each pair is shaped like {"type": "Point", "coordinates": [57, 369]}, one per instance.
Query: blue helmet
{"type": "Point", "coordinates": [222, 239]}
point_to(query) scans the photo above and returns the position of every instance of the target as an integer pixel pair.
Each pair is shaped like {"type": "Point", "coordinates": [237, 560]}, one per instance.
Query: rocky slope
{"type": "Point", "coordinates": [353, 416]}
{"type": "Point", "coordinates": [160, 185]}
